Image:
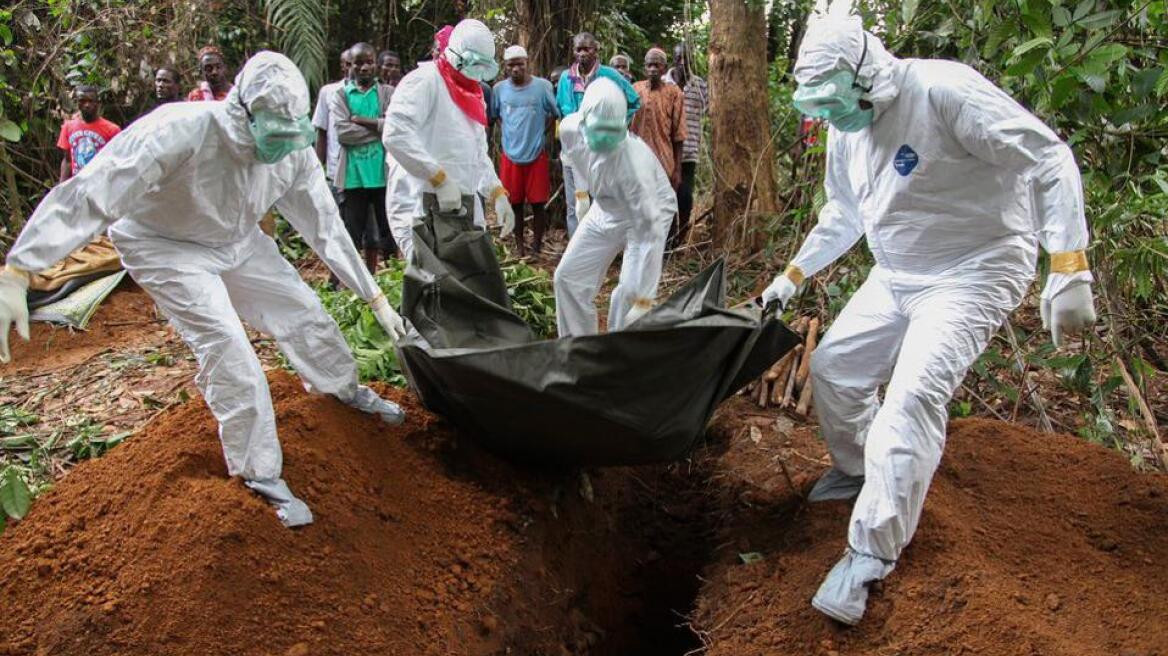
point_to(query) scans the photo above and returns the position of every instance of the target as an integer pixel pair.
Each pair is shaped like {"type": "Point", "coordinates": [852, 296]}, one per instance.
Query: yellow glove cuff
{"type": "Point", "coordinates": [794, 274]}
{"type": "Point", "coordinates": [19, 273]}
{"type": "Point", "coordinates": [581, 195]}
{"type": "Point", "coordinates": [1068, 262]}
{"type": "Point", "coordinates": [496, 192]}
{"type": "Point", "coordinates": [438, 178]}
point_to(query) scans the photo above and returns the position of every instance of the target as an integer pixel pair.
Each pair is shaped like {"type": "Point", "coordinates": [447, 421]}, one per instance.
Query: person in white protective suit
{"type": "Point", "coordinates": [954, 185]}
{"type": "Point", "coordinates": [182, 191]}
{"type": "Point", "coordinates": [435, 135]}
{"type": "Point", "coordinates": [625, 203]}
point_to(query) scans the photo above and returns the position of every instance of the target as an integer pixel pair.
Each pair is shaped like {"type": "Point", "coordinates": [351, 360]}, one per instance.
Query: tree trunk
{"type": "Point", "coordinates": [741, 144]}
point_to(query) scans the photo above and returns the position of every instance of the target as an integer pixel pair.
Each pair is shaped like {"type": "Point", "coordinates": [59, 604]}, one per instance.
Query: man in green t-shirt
{"type": "Point", "coordinates": [357, 111]}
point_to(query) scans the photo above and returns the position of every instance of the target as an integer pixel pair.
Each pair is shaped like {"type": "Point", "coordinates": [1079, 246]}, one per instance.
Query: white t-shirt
{"type": "Point", "coordinates": [322, 121]}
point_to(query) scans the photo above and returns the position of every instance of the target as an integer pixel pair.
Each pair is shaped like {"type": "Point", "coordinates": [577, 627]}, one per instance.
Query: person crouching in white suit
{"type": "Point", "coordinates": [955, 186]}
{"type": "Point", "coordinates": [182, 191]}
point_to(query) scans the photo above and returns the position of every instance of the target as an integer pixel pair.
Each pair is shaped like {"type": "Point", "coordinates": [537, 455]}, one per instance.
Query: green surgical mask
{"type": "Point", "coordinates": [603, 136]}
{"type": "Point", "coordinates": [276, 137]}
{"type": "Point", "coordinates": [837, 99]}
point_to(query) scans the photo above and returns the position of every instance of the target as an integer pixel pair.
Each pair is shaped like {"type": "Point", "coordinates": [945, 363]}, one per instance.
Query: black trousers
{"type": "Point", "coordinates": [685, 193]}
{"type": "Point", "coordinates": [355, 205]}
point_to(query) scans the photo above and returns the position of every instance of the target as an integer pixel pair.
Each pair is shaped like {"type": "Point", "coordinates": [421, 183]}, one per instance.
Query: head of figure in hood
{"type": "Point", "coordinates": [471, 51]}
{"type": "Point", "coordinates": [274, 97]}
{"type": "Point", "coordinates": [844, 73]}
{"type": "Point", "coordinates": [602, 116]}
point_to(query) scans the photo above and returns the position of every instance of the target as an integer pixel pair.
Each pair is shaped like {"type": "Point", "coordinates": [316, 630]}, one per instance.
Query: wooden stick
{"type": "Point", "coordinates": [764, 393]}
{"type": "Point", "coordinates": [784, 372]}
{"type": "Point", "coordinates": [1161, 449]}
{"type": "Point", "coordinates": [808, 347]}
{"type": "Point", "coordinates": [774, 372]}
{"type": "Point", "coordinates": [804, 401]}
{"type": "Point", "coordinates": [789, 392]}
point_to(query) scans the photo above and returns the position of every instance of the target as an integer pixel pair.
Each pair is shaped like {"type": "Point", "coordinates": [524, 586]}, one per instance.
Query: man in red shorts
{"type": "Point", "coordinates": [525, 108]}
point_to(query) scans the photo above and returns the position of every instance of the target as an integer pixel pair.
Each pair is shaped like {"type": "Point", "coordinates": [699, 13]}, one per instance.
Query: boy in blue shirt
{"type": "Point", "coordinates": [525, 108]}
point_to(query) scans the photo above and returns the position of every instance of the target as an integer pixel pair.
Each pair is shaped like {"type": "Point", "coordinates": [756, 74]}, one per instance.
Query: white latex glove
{"type": "Point", "coordinates": [583, 204]}
{"type": "Point", "coordinates": [449, 196]}
{"type": "Point", "coordinates": [390, 320]}
{"type": "Point", "coordinates": [13, 308]}
{"type": "Point", "coordinates": [636, 312]}
{"type": "Point", "coordinates": [506, 215]}
{"type": "Point", "coordinates": [1068, 312]}
{"type": "Point", "coordinates": [781, 290]}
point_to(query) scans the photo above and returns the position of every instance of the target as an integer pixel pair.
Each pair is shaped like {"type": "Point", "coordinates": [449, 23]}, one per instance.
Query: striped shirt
{"type": "Point", "coordinates": [697, 103]}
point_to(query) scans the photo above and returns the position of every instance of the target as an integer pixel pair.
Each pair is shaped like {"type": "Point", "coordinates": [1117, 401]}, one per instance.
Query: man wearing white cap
{"type": "Point", "coordinates": [525, 107]}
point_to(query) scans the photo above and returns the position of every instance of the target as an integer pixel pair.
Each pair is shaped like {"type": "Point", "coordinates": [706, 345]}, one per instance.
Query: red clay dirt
{"type": "Point", "coordinates": [1030, 544]}
{"type": "Point", "coordinates": [421, 546]}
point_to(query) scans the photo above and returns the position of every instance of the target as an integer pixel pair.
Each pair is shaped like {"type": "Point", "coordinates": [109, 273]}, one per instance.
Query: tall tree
{"type": "Point", "coordinates": [741, 144]}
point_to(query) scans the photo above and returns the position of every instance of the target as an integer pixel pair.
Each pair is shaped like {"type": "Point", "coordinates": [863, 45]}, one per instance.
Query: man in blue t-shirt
{"type": "Point", "coordinates": [570, 92]}
{"type": "Point", "coordinates": [525, 108]}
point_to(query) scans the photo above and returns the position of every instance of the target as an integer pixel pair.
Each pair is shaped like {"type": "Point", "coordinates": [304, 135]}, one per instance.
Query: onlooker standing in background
{"type": "Point", "coordinates": [389, 67]}
{"type": "Point", "coordinates": [661, 121]}
{"type": "Point", "coordinates": [167, 85]}
{"type": "Point", "coordinates": [216, 81]}
{"type": "Point", "coordinates": [623, 65]}
{"type": "Point", "coordinates": [569, 93]}
{"type": "Point", "coordinates": [328, 149]}
{"type": "Point", "coordinates": [525, 107]}
{"type": "Point", "coordinates": [84, 135]}
{"type": "Point", "coordinates": [356, 111]}
{"type": "Point", "coordinates": [697, 104]}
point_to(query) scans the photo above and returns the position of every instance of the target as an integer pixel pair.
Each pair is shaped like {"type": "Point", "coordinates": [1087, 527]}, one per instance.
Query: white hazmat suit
{"type": "Point", "coordinates": [182, 193]}
{"type": "Point", "coordinates": [954, 186]}
{"type": "Point", "coordinates": [631, 209]}
{"type": "Point", "coordinates": [433, 146]}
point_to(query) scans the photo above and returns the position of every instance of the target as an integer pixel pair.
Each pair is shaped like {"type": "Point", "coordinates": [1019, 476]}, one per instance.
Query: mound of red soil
{"type": "Point", "coordinates": [421, 545]}
{"type": "Point", "coordinates": [1030, 544]}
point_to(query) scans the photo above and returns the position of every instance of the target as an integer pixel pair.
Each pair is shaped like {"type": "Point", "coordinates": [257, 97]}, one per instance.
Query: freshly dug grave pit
{"type": "Point", "coordinates": [422, 545]}
{"type": "Point", "coordinates": [1030, 543]}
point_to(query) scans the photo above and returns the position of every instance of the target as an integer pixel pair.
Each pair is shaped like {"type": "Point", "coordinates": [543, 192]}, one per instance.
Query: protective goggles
{"type": "Point", "coordinates": [476, 66]}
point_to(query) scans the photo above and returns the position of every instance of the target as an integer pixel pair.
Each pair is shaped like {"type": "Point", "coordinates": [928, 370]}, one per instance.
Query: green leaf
{"type": "Point", "coordinates": [1040, 42]}
{"type": "Point", "coordinates": [1061, 90]}
{"type": "Point", "coordinates": [908, 9]}
{"type": "Point", "coordinates": [1101, 58]}
{"type": "Point", "coordinates": [1061, 16]}
{"type": "Point", "coordinates": [1083, 8]}
{"type": "Point", "coordinates": [14, 494]}
{"type": "Point", "coordinates": [1037, 21]}
{"type": "Point", "coordinates": [1026, 63]}
{"type": "Point", "coordinates": [6, 35]}
{"type": "Point", "coordinates": [1162, 84]}
{"type": "Point", "coordinates": [1102, 20]}
{"type": "Point", "coordinates": [9, 131]}
{"type": "Point", "coordinates": [1134, 114]}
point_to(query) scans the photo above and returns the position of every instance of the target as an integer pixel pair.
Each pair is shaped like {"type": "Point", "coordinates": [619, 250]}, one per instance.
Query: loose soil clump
{"type": "Point", "coordinates": [1030, 544]}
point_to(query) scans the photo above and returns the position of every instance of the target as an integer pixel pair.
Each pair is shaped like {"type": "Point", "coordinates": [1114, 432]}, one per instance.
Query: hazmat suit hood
{"type": "Point", "coordinates": [268, 82]}
{"type": "Point", "coordinates": [603, 113]}
{"type": "Point", "coordinates": [835, 40]}
{"type": "Point", "coordinates": [471, 50]}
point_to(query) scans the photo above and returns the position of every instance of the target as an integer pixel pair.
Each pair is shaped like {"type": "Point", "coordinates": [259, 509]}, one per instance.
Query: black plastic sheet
{"type": "Point", "coordinates": [640, 395]}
